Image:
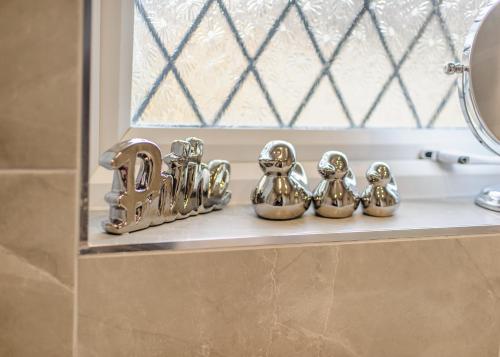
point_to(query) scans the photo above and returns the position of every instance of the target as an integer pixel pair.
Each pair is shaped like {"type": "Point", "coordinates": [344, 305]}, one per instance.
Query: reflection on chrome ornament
{"type": "Point", "coordinates": [381, 198]}
{"type": "Point", "coordinates": [282, 191]}
{"type": "Point", "coordinates": [336, 196]}
{"type": "Point", "coordinates": [153, 196]}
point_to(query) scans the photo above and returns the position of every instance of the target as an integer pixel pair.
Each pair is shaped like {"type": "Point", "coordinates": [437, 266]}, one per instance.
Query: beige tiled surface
{"type": "Point", "coordinates": [40, 89]}
{"type": "Point", "coordinates": [35, 310]}
{"type": "Point", "coordinates": [40, 43]}
{"type": "Point", "coordinates": [409, 298]}
{"type": "Point", "coordinates": [38, 220]}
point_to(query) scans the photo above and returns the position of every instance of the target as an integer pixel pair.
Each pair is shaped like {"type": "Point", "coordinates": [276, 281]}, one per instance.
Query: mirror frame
{"type": "Point", "coordinates": [465, 90]}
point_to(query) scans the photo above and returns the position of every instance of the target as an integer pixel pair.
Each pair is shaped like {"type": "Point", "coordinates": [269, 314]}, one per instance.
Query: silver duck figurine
{"type": "Point", "coordinates": [381, 198]}
{"type": "Point", "coordinates": [336, 196]}
{"type": "Point", "coordinates": [282, 191]}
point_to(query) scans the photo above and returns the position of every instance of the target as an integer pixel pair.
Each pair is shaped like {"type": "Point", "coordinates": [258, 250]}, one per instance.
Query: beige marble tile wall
{"type": "Point", "coordinates": [40, 80]}
{"type": "Point", "coordinates": [429, 298]}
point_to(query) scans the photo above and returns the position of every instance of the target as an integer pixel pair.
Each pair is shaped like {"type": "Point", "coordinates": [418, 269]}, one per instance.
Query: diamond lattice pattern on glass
{"type": "Point", "coordinates": [301, 64]}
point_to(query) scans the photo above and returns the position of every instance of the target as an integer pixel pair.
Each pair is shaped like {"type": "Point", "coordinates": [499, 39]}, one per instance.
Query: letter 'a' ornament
{"type": "Point", "coordinates": [144, 195]}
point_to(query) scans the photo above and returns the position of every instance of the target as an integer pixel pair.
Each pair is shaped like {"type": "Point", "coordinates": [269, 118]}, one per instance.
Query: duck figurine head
{"type": "Point", "coordinates": [379, 174]}
{"type": "Point", "coordinates": [333, 165]}
{"type": "Point", "coordinates": [277, 157]}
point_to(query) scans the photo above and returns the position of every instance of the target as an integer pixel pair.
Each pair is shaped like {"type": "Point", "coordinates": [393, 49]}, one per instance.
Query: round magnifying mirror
{"type": "Point", "coordinates": [479, 88]}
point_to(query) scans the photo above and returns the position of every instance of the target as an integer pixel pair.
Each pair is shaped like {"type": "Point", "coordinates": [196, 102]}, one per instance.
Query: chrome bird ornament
{"type": "Point", "coordinates": [152, 196]}
{"type": "Point", "coordinates": [381, 198]}
{"type": "Point", "coordinates": [336, 196]}
{"type": "Point", "coordinates": [282, 191]}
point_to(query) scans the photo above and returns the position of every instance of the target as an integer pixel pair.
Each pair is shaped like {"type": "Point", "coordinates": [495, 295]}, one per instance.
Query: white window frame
{"type": "Point", "coordinates": [111, 72]}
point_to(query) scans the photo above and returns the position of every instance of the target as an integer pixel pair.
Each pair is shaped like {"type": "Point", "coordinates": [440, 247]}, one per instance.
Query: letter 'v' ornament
{"type": "Point", "coordinates": [152, 196]}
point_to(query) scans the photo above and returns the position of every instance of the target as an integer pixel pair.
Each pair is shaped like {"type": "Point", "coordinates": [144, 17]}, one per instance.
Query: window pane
{"type": "Point", "coordinates": [304, 64]}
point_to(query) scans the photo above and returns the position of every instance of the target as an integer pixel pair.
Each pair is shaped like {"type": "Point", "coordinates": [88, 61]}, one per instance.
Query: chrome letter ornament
{"type": "Point", "coordinates": [152, 196]}
{"type": "Point", "coordinates": [336, 196]}
{"type": "Point", "coordinates": [381, 197]}
{"type": "Point", "coordinates": [282, 192]}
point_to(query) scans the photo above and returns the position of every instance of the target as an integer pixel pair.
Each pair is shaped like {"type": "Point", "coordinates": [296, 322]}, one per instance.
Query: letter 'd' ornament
{"type": "Point", "coordinates": [142, 195]}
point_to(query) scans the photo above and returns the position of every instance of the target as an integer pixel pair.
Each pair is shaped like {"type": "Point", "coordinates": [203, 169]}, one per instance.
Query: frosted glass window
{"type": "Point", "coordinates": [301, 64]}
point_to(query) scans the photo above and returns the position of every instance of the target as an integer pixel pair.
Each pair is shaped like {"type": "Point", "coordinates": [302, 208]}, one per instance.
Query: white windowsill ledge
{"type": "Point", "coordinates": [237, 226]}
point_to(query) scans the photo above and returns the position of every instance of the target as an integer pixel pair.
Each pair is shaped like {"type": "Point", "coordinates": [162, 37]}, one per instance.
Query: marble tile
{"type": "Point", "coordinates": [399, 298]}
{"type": "Point", "coordinates": [211, 303]}
{"type": "Point", "coordinates": [38, 220]}
{"type": "Point", "coordinates": [40, 42]}
{"type": "Point", "coordinates": [419, 298]}
{"type": "Point", "coordinates": [36, 310]}
{"type": "Point", "coordinates": [484, 254]}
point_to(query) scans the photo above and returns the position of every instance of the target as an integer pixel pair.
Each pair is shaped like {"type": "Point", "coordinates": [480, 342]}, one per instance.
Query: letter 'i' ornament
{"type": "Point", "coordinates": [151, 196]}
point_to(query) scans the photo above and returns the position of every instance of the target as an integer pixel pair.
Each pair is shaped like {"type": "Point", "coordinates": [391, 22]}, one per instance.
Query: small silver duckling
{"type": "Point", "coordinates": [282, 191]}
{"type": "Point", "coordinates": [381, 198]}
{"type": "Point", "coordinates": [336, 196]}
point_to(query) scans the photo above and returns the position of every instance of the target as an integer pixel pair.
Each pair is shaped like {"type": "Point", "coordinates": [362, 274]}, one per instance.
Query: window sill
{"type": "Point", "coordinates": [415, 219]}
